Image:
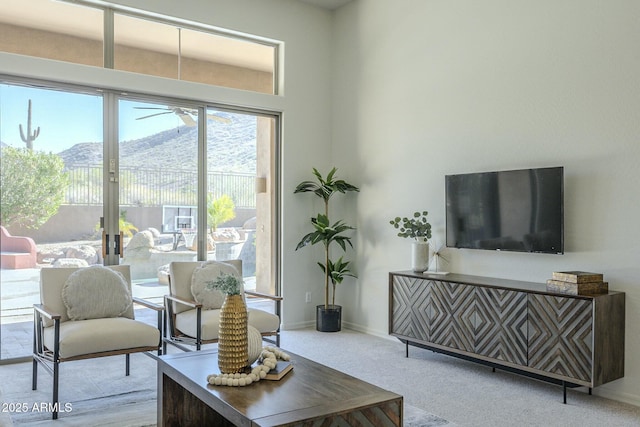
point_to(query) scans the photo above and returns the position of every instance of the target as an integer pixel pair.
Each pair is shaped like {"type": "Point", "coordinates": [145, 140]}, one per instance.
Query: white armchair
{"type": "Point", "coordinates": [87, 313]}
{"type": "Point", "coordinates": [192, 316]}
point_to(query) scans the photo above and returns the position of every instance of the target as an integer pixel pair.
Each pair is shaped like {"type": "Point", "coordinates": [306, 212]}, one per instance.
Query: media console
{"type": "Point", "coordinates": [572, 340]}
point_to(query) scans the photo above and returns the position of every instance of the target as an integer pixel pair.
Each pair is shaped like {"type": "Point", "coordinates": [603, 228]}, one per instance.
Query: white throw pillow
{"type": "Point", "coordinates": [211, 299]}
{"type": "Point", "coordinates": [96, 292]}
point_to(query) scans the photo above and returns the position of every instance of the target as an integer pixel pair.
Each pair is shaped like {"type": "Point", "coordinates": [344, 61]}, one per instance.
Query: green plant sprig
{"type": "Point", "coordinates": [417, 228]}
{"type": "Point", "coordinates": [227, 284]}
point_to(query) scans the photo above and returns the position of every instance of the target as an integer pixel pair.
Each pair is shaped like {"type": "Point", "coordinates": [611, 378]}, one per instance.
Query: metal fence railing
{"type": "Point", "coordinates": [157, 187]}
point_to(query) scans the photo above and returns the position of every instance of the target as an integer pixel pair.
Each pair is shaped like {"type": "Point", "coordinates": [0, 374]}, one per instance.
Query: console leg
{"type": "Point", "coordinates": [564, 392]}
{"type": "Point", "coordinates": [406, 349]}
{"type": "Point", "coordinates": [590, 391]}
{"type": "Point", "coordinates": [494, 369]}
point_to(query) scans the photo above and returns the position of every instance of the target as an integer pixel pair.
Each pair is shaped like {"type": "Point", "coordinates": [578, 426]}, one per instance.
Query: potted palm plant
{"type": "Point", "coordinates": [328, 316]}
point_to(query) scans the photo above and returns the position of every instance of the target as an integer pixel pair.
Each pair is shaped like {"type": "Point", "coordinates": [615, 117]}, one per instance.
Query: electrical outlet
{"type": "Point", "coordinates": [307, 297]}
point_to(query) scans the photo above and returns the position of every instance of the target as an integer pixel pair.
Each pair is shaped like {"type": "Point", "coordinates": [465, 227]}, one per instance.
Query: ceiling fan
{"type": "Point", "coordinates": [187, 115]}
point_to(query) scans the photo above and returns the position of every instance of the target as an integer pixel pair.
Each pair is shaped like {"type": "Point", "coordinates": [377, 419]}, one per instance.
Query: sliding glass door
{"type": "Point", "coordinates": [101, 178]}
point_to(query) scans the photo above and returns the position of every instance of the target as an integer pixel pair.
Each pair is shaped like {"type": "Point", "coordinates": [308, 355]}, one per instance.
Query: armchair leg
{"type": "Point", "coordinates": [34, 375]}
{"type": "Point", "coordinates": [127, 363]}
{"type": "Point", "coordinates": [199, 330]}
{"type": "Point", "coordinates": [161, 345]}
{"type": "Point", "coordinates": [56, 369]}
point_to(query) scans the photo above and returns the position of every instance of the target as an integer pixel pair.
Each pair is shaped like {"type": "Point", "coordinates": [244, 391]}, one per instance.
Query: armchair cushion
{"type": "Point", "coordinates": [263, 321]}
{"type": "Point", "coordinates": [96, 292]}
{"type": "Point", "coordinates": [211, 299]}
{"type": "Point", "coordinates": [186, 322]}
{"type": "Point", "coordinates": [99, 335]}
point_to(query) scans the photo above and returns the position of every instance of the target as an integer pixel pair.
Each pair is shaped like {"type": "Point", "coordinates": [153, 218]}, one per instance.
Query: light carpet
{"type": "Point", "coordinates": [461, 392]}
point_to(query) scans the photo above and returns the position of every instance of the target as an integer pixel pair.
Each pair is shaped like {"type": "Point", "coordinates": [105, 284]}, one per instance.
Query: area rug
{"type": "Point", "coordinates": [416, 417]}
{"type": "Point", "coordinates": [99, 411]}
{"type": "Point", "coordinates": [93, 392]}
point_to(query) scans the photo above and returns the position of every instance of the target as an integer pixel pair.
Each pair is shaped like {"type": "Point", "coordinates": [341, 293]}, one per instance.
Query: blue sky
{"type": "Point", "coordinates": [66, 119]}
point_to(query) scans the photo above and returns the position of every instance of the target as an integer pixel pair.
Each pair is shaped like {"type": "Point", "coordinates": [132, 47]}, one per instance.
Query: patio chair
{"type": "Point", "coordinates": [192, 313]}
{"type": "Point", "coordinates": [86, 313]}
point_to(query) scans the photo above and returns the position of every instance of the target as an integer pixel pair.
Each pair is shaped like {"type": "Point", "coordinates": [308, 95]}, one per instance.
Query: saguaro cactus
{"type": "Point", "coordinates": [30, 137]}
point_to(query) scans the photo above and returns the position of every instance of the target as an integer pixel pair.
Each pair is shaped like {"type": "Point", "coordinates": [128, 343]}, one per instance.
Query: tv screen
{"type": "Point", "coordinates": [518, 210]}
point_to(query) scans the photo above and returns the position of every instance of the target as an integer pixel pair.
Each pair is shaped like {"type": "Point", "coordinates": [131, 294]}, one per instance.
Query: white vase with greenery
{"type": "Point", "coordinates": [419, 229]}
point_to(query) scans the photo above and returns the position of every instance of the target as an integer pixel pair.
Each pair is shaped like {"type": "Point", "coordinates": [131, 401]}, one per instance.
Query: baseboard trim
{"type": "Point", "coordinates": [359, 328]}
{"type": "Point", "coordinates": [606, 392]}
{"type": "Point", "coordinates": [298, 325]}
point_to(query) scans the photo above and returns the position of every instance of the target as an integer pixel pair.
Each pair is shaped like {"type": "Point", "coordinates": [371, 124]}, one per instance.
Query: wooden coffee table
{"type": "Point", "coordinates": [311, 392]}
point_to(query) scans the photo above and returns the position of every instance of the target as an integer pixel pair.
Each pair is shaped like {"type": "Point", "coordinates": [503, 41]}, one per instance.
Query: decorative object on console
{"type": "Point", "coordinates": [419, 229]}
{"type": "Point", "coordinates": [328, 316]}
{"type": "Point", "coordinates": [438, 255]}
{"type": "Point", "coordinates": [233, 343]}
{"type": "Point", "coordinates": [577, 283]}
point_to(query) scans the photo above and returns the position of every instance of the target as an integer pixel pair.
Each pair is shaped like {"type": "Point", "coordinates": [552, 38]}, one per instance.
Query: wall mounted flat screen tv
{"type": "Point", "coordinates": [517, 210]}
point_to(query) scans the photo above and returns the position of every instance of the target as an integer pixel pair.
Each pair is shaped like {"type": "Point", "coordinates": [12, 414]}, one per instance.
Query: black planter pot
{"type": "Point", "coordinates": [328, 319]}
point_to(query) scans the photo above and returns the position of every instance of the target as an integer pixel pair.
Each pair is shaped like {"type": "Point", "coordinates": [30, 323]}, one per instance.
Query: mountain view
{"type": "Point", "coordinates": [232, 148]}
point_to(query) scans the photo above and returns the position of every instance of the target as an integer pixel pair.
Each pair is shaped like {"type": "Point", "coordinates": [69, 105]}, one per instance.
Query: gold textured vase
{"type": "Point", "coordinates": [232, 342]}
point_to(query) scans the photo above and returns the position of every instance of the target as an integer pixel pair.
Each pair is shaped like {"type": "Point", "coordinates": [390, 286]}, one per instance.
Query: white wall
{"type": "Point", "coordinates": [305, 105]}
{"type": "Point", "coordinates": [424, 89]}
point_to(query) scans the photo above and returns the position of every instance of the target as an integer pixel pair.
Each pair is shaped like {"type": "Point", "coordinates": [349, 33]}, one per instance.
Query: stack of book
{"type": "Point", "coordinates": [281, 369]}
{"type": "Point", "coordinates": [577, 283]}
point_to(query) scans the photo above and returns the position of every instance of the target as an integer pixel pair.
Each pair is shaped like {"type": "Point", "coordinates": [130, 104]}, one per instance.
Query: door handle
{"type": "Point", "coordinates": [105, 244]}
{"type": "Point", "coordinates": [119, 243]}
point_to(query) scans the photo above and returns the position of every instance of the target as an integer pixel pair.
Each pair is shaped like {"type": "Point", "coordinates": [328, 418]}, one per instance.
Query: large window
{"type": "Point", "coordinates": [166, 50]}
{"type": "Point", "coordinates": [136, 42]}
{"type": "Point", "coordinates": [52, 30]}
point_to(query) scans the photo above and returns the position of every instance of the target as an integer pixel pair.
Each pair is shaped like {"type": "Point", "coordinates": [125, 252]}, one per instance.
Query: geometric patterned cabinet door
{"type": "Point", "coordinates": [501, 325]}
{"type": "Point", "coordinates": [561, 336]}
{"type": "Point", "coordinates": [452, 316]}
{"type": "Point", "coordinates": [410, 307]}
